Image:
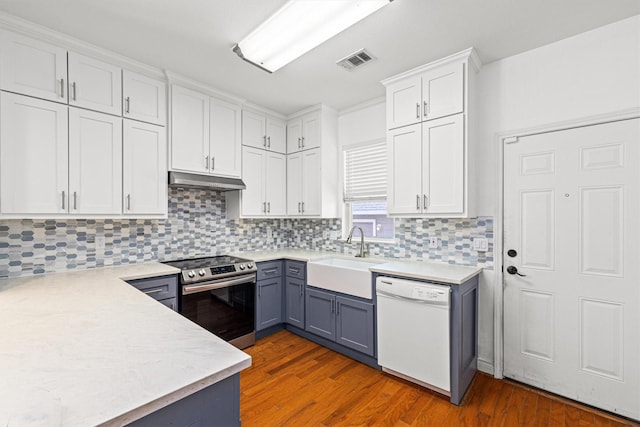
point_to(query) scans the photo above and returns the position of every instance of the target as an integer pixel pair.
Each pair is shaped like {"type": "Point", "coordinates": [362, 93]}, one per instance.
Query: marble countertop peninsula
{"type": "Point", "coordinates": [85, 348]}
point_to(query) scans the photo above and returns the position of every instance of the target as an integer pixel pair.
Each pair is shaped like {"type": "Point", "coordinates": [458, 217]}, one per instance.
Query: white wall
{"type": "Point", "coordinates": [593, 73]}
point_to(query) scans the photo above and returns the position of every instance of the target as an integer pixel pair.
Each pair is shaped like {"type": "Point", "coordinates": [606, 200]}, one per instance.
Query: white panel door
{"type": "Point", "coordinates": [144, 175]}
{"type": "Point", "coordinates": [294, 184]}
{"type": "Point", "coordinates": [145, 99]}
{"type": "Point", "coordinates": [224, 139]}
{"type": "Point", "coordinates": [95, 162]}
{"type": "Point", "coordinates": [572, 309]}
{"type": "Point", "coordinates": [94, 84]}
{"type": "Point", "coordinates": [276, 136]}
{"type": "Point", "coordinates": [33, 156]}
{"type": "Point", "coordinates": [443, 91]}
{"type": "Point", "coordinates": [254, 131]}
{"type": "Point", "coordinates": [189, 130]}
{"type": "Point", "coordinates": [404, 191]}
{"type": "Point", "coordinates": [311, 131]}
{"type": "Point", "coordinates": [276, 184]}
{"type": "Point", "coordinates": [404, 103]}
{"type": "Point", "coordinates": [294, 136]}
{"type": "Point", "coordinates": [443, 165]}
{"type": "Point", "coordinates": [32, 67]}
{"type": "Point", "coordinates": [253, 175]}
{"type": "Point", "coordinates": [311, 182]}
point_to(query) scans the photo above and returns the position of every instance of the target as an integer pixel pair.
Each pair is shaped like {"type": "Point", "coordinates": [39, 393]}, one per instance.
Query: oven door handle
{"type": "Point", "coordinates": [217, 284]}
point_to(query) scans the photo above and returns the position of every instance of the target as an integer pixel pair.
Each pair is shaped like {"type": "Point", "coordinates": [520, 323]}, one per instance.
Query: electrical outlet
{"type": "Point", "coordinates": [100, 242]}
{"type": "Point", "coordinates": [269, 233]}
{"type": "Point", "coordinates": [434, 242]}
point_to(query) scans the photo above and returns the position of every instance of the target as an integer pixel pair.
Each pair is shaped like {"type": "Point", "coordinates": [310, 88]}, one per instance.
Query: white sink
{"type": "Point", "coordinates": [348, 276]}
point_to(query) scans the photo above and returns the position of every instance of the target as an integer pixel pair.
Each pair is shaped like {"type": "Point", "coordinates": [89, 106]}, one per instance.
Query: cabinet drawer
{"type": "Point", "coordinates": [160, 288]}
{"type": "Point", "coordinates": [295, 269]}
{"type": "Point", "coordinates": [268, 270]}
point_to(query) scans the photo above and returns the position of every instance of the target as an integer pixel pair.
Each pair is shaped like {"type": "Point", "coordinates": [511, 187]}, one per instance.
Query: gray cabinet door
{"type": "Point", "coordinates": [320, 314]}
{"type": "Point", "coordinates": [294, 302]}
{"type": "Point", "coordinates": [268, 303]}
{"type": "Point", "coordinates": [354, 325]}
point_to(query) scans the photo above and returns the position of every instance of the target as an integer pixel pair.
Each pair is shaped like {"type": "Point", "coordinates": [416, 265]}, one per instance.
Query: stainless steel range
{"type": "Point", "coordinates": [218, 293]}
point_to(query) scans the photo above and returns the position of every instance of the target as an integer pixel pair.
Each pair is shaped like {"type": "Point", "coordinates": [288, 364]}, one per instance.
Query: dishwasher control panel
{"type": "Point", "coordinates": [429, 294]}
{"type": "Point", "coordinates": [414, 290]}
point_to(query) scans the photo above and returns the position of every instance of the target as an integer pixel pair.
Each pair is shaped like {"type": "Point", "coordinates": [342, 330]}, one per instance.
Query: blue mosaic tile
{"type": "Point", "coordinates": [197, 226]}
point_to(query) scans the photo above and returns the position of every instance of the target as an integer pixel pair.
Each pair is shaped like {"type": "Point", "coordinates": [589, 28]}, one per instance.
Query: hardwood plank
{"type": "Point", "coordinates": [294, 382]}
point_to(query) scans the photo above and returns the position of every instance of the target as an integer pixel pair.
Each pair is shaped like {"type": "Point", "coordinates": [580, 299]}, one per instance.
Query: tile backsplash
{"type": "Point", "coordinates": [197, 226]}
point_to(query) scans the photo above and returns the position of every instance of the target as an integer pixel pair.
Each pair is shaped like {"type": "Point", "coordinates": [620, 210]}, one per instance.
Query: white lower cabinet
{"type": "Point", "coordinates": [34, 149]}
{"type": "Point", "coordinates": [144, 169]}
{"type": "Point", "coordinates": [95, 163]}
{"type": "Point", "coordinates": [264, 173]}
{"type": "Point", "coordinates": [304, 190]}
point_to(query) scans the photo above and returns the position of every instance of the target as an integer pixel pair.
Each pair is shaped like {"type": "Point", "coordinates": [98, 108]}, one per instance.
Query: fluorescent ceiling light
{"type": "Point", "coordinates": [299, 26]}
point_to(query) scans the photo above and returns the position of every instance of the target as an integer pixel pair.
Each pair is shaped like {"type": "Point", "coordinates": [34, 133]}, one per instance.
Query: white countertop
{"type": "Point", "coordinates": [435, 271]}
{"type": "Point", "coordinates": [424, 270]}
{"type": "Point", "coordinates": [85, 348]}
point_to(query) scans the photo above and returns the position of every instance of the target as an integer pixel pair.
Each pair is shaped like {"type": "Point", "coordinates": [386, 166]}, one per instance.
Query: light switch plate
{"type": "Point", "coordinates": [480, 244]}
{"type": "Point", "coordinates": [434, 242]}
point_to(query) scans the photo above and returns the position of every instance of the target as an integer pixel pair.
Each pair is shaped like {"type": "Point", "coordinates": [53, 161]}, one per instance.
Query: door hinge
{"type": "Point", "coordinates": [510, 139]}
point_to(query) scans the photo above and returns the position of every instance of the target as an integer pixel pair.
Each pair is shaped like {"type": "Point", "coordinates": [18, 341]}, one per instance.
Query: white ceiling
{"type": "Point", "coordinates": [194, 38]}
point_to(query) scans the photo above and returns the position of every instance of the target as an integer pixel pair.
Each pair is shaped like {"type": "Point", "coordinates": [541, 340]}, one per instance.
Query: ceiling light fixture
{"type": "Point", "coordinates": [299, 26]}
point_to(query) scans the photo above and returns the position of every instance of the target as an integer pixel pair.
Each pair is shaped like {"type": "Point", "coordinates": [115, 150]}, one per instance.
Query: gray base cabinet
{"type": "Point", "coordinates": [163, 289]}
{"type": "Point", "coordinates": [346, 321]}
{"type": "Point", "coordinates": [269, 295]}
{"type": "Point", "coordinates": [294, 302]}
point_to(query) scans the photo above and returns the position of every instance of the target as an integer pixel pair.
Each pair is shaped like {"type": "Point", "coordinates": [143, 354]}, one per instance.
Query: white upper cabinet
{"type": "Point", "coordinates": [430, 113]}
{"type": "Point", "coordinates": [33, 156]}
{"type": "Point", "coordinates": [304, 188]}
{"type": "Point", "coordinates": [94, 84]}
{"type": "Point", "coordinates": [32, 67]}
{"type": "Point", "coordinates": [224, 139]}
{"type": "Point", "coordinates": [144, 98]}
{"type": "Point", "coordinates": [265, 175]}
{"type": "Point", "coordinates": [304, 133]}
{"type": "Point", "coordinates": [144, 168]}
{"type": "Point", "coordinates": [95, 163]}
{"type": "Point", "coordinates": [261, 131]}
{"type": "Point", "coordinates": [430, 94]}
{"type": "Point", "coordinates": [189, 130]}
{"type": "Point", "coordinates": [205, 134]}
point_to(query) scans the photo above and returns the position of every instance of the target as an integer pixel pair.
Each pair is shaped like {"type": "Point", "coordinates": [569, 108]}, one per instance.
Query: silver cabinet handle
{"type": "Point", "coordinates": [417, 202]}
{"type": "Point", "coordinates": [302, 140]}
{"type": "Point", "coordinates": [424, 201]}
{"type": "Point", "coordinates": [213, 163]}
{"type": "Point", "coordinates": [259, 291]}
{"type": "Point", "coordinates": [264, 143]}
{"type": "Point", "coordinates": [299, 208]}
{"type": "Point", "coordinates": [270, 271]}
{"type": "Point", "coordinates": [299, 142]}
{"type": "Point", "coordinates": [264, 207]}
{"type": "Point", "coordinates": [75, 200]}
{"type": "Point", "coordinates": [337, 308]}
{"type": "Point", "coordinates": [206, 162]}
{"type": "Point", "coordinates": [300, 290]}
{"type": "Point", "coordinates": [268, 142]}
{"type": "Point", "coordinates": [61, 88]}
{"type": "Point", "coordinates": [294, 270]}
{"type": "Point", "coordinates": [73, 86]}
{"type": "Point", "coordinates": [424, 109]}
{"type": "Point", "coordinates": [127, 103]}
{"type": "Point", "coordinates": [332, 309]}
{"type": "Point", "coordinates": [154, 291]}
{"type": "Point", "coordinates": [302, 207]}
{"type": "Point", "coordinates": [63, 200]}
{"type": "Point", "coordinates": [417, 110]}
{"type": "Point", "coordinates": [268, 207]}
{"type": "Point", "coordinates": [128, 202]}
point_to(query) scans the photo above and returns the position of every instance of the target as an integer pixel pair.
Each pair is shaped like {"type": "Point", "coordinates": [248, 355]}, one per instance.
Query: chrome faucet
{"type": "Point", "coordinates": [350, 238]}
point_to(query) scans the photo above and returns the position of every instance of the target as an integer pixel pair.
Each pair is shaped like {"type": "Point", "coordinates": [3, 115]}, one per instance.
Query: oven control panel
{"type": "Point", "coordinates": [218, 272]}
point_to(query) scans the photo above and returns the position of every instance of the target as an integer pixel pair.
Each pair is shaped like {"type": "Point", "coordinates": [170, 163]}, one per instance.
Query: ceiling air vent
{"type": "Point", "coordinates": [356, 59]}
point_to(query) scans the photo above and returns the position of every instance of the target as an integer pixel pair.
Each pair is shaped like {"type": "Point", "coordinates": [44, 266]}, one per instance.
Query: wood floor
{"type": "Point", "coordinates": [294, 382]}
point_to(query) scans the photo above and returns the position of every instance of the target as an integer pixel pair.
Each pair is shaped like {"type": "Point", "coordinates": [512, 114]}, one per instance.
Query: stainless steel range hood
{"type": "Point", "coordinates": [192, 180]}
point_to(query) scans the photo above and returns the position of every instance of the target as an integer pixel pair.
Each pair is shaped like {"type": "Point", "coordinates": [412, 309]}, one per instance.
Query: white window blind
{"type": "Point", "coordinates": [365, 172]}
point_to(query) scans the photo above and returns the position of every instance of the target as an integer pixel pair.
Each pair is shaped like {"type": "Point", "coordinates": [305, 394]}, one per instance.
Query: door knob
{"type": "Point", "coordinates": [513, 270]}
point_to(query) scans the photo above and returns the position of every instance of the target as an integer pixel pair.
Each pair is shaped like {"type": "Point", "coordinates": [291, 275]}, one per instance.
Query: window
{"type": "Point", "coordinates": [365, 190]}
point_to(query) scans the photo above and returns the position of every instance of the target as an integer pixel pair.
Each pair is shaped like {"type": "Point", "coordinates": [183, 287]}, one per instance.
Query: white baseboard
{"type": "Point", "coordinates": [486, 366]}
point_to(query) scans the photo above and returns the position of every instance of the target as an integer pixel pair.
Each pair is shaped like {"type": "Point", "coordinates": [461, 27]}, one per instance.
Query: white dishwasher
{"type": "Point", "coordinates": [413, 331]}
